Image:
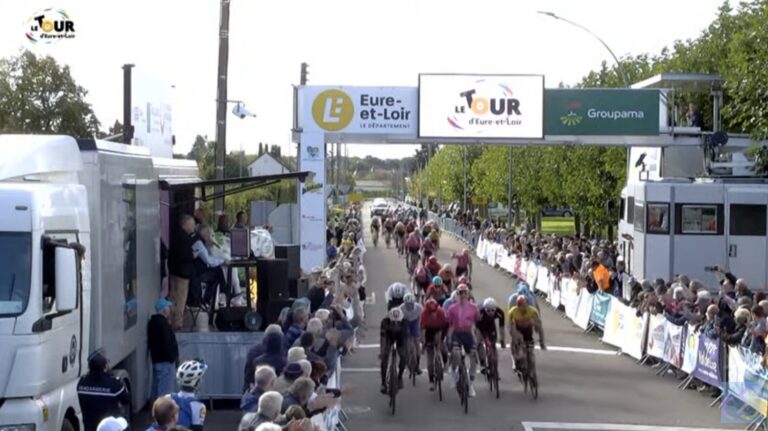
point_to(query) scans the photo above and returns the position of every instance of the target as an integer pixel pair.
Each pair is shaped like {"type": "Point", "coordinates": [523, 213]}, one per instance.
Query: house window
{"type": "Point", "coordinates": [747, 220]}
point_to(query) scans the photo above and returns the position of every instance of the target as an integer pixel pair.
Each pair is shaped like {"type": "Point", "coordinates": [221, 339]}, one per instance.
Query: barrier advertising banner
{"type": "Point", "coordinates": [481, 106]}
{"type": "Point", "coordinates": [673, 343]}
{"type": "Point", "coordinates": [690, 349]}
{"type": "Point", "coordinates": [708, 361]}
{"type": "Point", "coordinates": [555, 295]}
{"type": "Point", "coordinates": [571, 287]}
{"type": "Point", "coordinates": [584, 309]}
{"type": "Point", "coordinates": [614, 323]}
{"type": "Point", "coordinates": [601, 111]}
{"type": "Point", "coordinates": [635, 331]}
{"type": "Point", "coordinates": [600, 309]}
{"type": "Point", "coordinates": [531, 273]}
{"type": "Point", "coordinates": [657, 331]}
{"type": "Point", "coordinates": [747, 379]}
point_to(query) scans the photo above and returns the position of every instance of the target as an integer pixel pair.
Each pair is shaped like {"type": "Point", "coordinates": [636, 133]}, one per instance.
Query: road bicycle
{"type": "Point", "coordinates": [375, 236]}
{"type": "Point", "coordinates": [462, 386]}
{"type": "Point", "coordinates": [492, 369]}
{"type": "Point", "coordinates": [527, 371]}
{"type": "Point", "coordinates": [412, 359]}
{"type": "Point", "coordinates": [393, 384]}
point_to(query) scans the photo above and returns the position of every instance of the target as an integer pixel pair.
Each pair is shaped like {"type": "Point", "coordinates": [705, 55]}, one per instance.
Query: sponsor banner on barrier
{"type": "Point", "coordinates": [482, 249]}
{"type": "Point", "coordinates": [570, 286]}
{"type": "Point", "coordinates": [614, 323]}
{"type": "Point", "coordinates": [747, 380]}
{"type": "Point", "coordinates": [584, 309]}
{"type": "Point", "coordinates": [555, 295]}
{"type": "Point", "coordinates": [531, 272]}
{"type": "Point", "coordinates": [542, 280]}
{"type": "Point", "coordinates": [673, 343]}
{"type": "Point", "coordinates": [657, 331]}
{"type": "Point", "coordinates": [520, 268]}
{"type": "Point", "coordinates": [707, 367]}
{"type": "Point", "coordinates": [690, 349]}
{"type": "Point", "coordinates": [635, 330]}
{"type": "Point", "coordinates": [600, 306]}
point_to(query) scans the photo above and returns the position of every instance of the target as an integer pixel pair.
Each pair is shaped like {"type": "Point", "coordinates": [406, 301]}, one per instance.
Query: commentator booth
{"type": "Point", "coordinates": [276, 270]}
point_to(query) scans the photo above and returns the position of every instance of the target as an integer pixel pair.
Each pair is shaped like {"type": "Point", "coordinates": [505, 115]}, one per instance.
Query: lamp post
{"type": "Point", "coordinates": [618, 63]}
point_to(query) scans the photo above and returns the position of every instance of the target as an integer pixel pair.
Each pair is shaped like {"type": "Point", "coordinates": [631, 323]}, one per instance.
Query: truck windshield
{"type": "Point", "coordinates": [15, 272]}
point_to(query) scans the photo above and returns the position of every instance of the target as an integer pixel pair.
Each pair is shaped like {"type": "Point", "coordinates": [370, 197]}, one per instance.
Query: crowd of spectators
{"type": "Point", "coordinates": [286, 376]}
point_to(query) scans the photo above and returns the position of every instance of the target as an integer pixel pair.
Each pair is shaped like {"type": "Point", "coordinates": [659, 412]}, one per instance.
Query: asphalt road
{"type": "Point", "coordinates": [584, 385]}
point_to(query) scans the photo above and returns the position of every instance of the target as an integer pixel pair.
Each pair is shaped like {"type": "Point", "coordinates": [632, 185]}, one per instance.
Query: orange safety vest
{"type": "Point", "coordinates": [602, 277]}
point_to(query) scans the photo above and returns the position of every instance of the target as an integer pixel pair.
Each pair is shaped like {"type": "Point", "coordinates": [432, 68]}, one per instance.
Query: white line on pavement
{"type": "Point", "coordinates": [533, 426]}
{"type": "Point", "coordinates": [552, 348]}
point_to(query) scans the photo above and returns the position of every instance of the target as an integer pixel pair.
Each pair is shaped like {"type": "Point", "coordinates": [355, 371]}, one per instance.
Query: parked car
{"type": "Point", "coordinates": [379, 209]}
{"type": "Point", "coordinates": [496, 210]}
{"type": "Point", "coordinates": [557, 212]}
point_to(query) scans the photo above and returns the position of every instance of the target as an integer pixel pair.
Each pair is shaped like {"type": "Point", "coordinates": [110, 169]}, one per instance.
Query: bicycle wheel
{"type": "Point", "coordinates": [439, 374]}
{"type": "Point", "coordinates": [413, 362]}
{"type": "Point", "coordinates": [464, 382]}
{"type": "Point", "coordinates": [533, 380]}
{"type": "Point", "coordinates": [392, 381]}
{"type": "Point", "coordinates": [496, 378]}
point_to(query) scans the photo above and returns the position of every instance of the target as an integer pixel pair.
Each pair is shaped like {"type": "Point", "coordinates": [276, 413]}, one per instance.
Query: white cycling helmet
{"type": "Point", "coordinates": [190, 373]}
{"type": "Point", "coordinates": [409, 298]}
{"type": "Point", "coordinates": [396, 314]}
{"type": "Point", "coordinates": [397, 290]}
{"type": "Point", "coordinates": [489, 304]}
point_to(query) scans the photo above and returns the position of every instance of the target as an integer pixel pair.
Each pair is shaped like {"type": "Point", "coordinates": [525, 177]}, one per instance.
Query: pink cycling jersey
{"type": "Point", "coordinates": [462, 261]}
{"type": "Point", "coordinates": [462, 317]}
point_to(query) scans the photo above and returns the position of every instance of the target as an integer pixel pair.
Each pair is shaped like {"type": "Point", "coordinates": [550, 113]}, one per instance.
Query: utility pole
{"type": "Point", "coordinates": [466, 155]}
{"type": "Point", "coordinates": [221, 104]}
{"type": "Point", "coordinates": [127, 101]}
{"type": "Point", "coordinates": [510, 222]}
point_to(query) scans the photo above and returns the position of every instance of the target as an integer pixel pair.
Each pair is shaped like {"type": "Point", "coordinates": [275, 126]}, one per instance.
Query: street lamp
{"type": "Point", "coordinates": [618, 63]}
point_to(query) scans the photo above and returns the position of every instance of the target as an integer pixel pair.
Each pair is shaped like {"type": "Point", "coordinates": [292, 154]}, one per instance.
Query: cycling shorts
{"type": "Point", "coordinates": [464, 339]}
{"type": "Point", "coordinates": [431, 335]}
{"type": "Point", "coordinates": [460, 270]}
{"type": "Point", "coordinates": [413, 328]}
{"type": "Point", "coordinates": [527, 333]}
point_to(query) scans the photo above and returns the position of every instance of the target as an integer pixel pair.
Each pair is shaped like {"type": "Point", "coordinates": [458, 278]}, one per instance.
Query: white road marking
{"type": "Point", "coordinates": [552, 348]}
{"type": "Point", "coordinates": [533, 426]}
{"type": "Point", "coordinates": [368, 370]}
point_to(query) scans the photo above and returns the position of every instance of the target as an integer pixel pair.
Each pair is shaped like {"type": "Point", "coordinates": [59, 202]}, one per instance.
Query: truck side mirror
{"type": "Point", "coordinates": [66, 279]}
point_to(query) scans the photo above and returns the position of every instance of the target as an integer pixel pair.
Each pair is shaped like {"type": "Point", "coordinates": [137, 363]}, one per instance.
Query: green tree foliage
{"type": "Point", "coordinates": [37, 95]}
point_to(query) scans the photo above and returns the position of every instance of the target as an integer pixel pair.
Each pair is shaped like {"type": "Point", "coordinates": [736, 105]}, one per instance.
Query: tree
{"type": "Point", "coordinates": [261, 149]}
{"type": "Point", "coordinates": [37, 95]}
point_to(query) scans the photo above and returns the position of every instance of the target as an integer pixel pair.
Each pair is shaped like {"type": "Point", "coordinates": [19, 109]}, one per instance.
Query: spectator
{"type": "Point", "coordinates": [300, 317]}
{"type": "Point", "coordinates": [307, 342]}
{"type": "Point", "coordinates": [223, 224]}
{"type": "Point", "coordinates": [273, 354]}
{"type": "Point", "coordinates": [693, 117]}
{"type": "Point", "coordinates": [201, 216]}
{"type": "Point", "coordinates": [165, 413]}
{"type": "Point", "coordinates": [256, 351]}
{"type": "Point", "coordinates": [112, 423]}
{"type": "Point", "coordinates": [599, 273]}
{"type": "Point", "coordinates": [241, 220]}
{"type": "Point", "coordinates": [299, 394]}
{"type": "Point", "coordinates": [737, 334]}
{"type": "Point", "coordinates": [296, 353]}
{"type": "Point", "coordinates": [710, 328]}
{"type": "Point", "coordinates": [181, 266]}
{"type": "Point", "coordinates": [100, 394]}
{"type": "Point", "coordinates": [163, 349]}
{"type": "Point", "coordinates": [269, 407]}
{"type": "Point", "coordinates": [264, 380]}
{"type": "Point", "coordinates": [757, 331]}
{"type": "Point", "coordinates": [271, 427]}
{"type": "Point", "coordinates": [742, 290]}
{"type": "Point", "coordinates": [291, 372]}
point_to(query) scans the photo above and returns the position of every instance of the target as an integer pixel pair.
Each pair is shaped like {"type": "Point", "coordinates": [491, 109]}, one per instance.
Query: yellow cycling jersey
{"type": "Point", "coordinates": [522, 317]}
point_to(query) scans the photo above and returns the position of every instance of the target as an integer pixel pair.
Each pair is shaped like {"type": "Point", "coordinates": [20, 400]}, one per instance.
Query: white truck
{"type": "Point", "coordinates": [55, 306]}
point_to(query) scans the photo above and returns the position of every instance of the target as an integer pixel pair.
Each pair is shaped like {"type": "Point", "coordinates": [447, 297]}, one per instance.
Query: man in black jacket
{"type": "Point", "coordinates": [181, 261]}
{"type": "Point", "coordinates": [163, 349]}
{"type": "Point", "coordinates": [100, 393]}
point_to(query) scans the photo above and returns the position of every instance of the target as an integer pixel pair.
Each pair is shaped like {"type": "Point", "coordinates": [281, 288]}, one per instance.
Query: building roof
{"type": "Point", "coordinates": [267, 156]}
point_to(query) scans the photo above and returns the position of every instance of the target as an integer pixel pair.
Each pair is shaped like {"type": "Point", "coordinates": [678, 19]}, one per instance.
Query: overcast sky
{"type": "Point", "coordinates": [345, 42]}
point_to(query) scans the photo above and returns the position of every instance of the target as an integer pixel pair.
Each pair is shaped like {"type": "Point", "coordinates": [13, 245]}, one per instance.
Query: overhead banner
{"type": "Point", "coordinates": [359, 110]}
{"type": "Point", "coordinates": [481, 106]}
{"type": "Point", "coordinates": [597, 111]}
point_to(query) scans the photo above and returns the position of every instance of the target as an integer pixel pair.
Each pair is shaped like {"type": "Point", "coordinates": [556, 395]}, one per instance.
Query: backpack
{"type": "Point", "coordinates": [185, 410]}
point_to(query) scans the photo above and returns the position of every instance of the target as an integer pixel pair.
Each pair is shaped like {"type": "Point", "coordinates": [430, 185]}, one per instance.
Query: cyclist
{"type": "Point", "coordinates": [191, 410]}
{"type": "Point", "coordinates": [433, 266]}
{"type": "Point", "coordinates": [522, 290]}
{"type": "Point", "coordinates": [389, 225]}
{"type": "Point", "coordinates": [427, 249]}
{"type": "Point", "coordinates": [437, 290]}
{"type": "Point", "coordinates": [412, 245]}
{"type": "Point", "coordinates": [446, 273]}
{"type": "Point", "coordinates": [464, 280]}
{"type": "Point", "coordinates": [375, 226]}
{"type": "Point", "coordinates": [434, 236]}
{"type": "Point", "coordinates": [462, 316]}
{"type": "Point", "coordinates": [400, 237]}
{"type": "Point", "coordinates": [434, 326]}
{"type": "Point", "coordinates": [410, 227]}
{"type": "Point", "coordinates": [426, 229]}
{"type": "Point", "coordinates": [395, 294]}
{"type": "Point", "coordinates": [412, 314]}
{"type": "Point", "coordinates": [486, 326]}
{"type": "Point", "coordinates": [393, 335]}
{"type": "Point", "coordinates": [463, 263]}
{"type": "Point", "coordinates": [523, 319]}
{"type": "Point", "coordinates": [422, 214]}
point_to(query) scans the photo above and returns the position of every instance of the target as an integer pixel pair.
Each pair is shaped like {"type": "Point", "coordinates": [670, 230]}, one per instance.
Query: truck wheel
{"type": "Point", "coordinates": [67, 426]}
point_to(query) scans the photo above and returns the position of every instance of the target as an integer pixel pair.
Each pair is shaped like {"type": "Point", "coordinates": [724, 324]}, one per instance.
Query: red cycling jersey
{"type": "Point", "coordinates": [436, 320]}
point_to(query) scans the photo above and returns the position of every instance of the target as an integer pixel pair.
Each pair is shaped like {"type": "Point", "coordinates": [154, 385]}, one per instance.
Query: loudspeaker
{"type": "Point", "coordinates": [231, 319]}
{"type": "Point", "coordinates": [298, 288]}
{"type": "Point", "coordinates": [272, 277]}
{"type": "Point", "coordinates": [293, 254]}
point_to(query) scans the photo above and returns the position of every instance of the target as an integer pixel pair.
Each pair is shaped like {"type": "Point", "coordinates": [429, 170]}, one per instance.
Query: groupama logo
{"type": "Point", "coordinates": [485, 106]}
{"type": "Point", "coordinates": [572, 118]}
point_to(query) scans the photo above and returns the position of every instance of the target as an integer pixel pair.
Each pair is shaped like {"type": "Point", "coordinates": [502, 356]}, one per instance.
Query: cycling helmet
{"type": "Point", "coordinates": [432, 259]}
{"type": "Point", "coordinates": [409, 298]}
{"type": "Point", "coordinates": [398, 290]}
{"type": "Point", "coordinates": [431, 305]}
{"type": "Point", "coordinates": [190, 373]}
{"type": "Point", "coordinates": [489, 304]}
{"type": "Point", "coordinates": [462, 288]}
{"type": "Point", "coordinates": [463, 280]}
{"type": "Point", "coordinates": [465, 252]}
{"type": "Point", "coordinates": [522, 301]}
{"type": "Point", "coordinates": [396, 314]}
{"type": "Point", "coordinates": [437, 280]}
{"type": "Point", "coordinates": [447, 268]}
